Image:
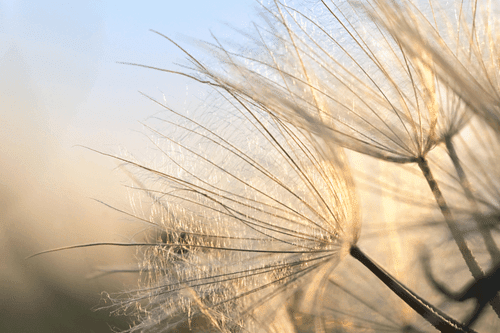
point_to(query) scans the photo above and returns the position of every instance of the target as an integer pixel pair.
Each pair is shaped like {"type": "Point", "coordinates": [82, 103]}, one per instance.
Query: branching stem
{"type": "Point", "coordinates": [464, 182]}
{"type": "Point", "coordinates": [471, 262]}
{"type": "Point", "coordinates": [491, 246]}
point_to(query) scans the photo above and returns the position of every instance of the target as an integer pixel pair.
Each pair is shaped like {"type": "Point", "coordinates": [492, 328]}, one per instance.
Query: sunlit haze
{"type": "Point", "coordinates": [62, 87]}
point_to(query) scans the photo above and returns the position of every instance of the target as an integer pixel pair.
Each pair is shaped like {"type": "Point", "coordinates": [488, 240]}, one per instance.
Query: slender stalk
{"type": "Point", "coordinates": [471, 262]}
{"type": "Point", "coordinates": [484, 291]}
{"type": "Point", "coordinates": [491, 246]}
{"type": "Point", "coordinates": [434, 316]}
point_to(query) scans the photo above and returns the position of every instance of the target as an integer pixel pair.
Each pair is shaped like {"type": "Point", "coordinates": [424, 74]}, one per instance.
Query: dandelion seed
{"type": "Point", "coordinates": [341, 76]}
{"type": "Point", "coordinates": [367, 94]}
{"type": "Point", "coordinates": [360, 88]}
{"type": "Point", "coordinates": [254, 203]}
{"type": "Point", "coordinates": [269, 212]}
{"type": "Point", "coordinates": [478, 154]}
{"type": "Point", "coordinates": [461, 44]}
{"type": "Point", "coordinates": [253, 218]}
{"type": "Point", "coordinates": [466, 59]}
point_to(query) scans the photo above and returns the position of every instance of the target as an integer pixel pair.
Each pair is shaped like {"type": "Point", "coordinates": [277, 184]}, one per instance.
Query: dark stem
{"type": "Point", "coordinates": [490, 243]}
{"type": "Point", "coordinates": [464, 182]}
{"type": "Point", "coordinates": [484, 291]}
{"type": "Point", "coordinates": [471, 262]}
{"type": "Point", "coordinates": [434, 316]}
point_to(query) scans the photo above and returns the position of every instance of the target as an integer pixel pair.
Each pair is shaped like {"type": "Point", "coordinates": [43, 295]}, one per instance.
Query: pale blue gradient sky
{"type": "Point", "coordinates": [61, 86]}
{"type": "Point", "coordinates": [68, 52]}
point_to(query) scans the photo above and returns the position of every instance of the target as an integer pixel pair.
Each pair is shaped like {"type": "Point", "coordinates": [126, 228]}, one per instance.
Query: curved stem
{"type": "Point", "coordinates": [434, 316]}
{"type": "Point", "coordinates": [471, 262]}
{"type": "Point", "coordinates": [490, 243]}
{"type": "Point", "coordinates": [464, 183]}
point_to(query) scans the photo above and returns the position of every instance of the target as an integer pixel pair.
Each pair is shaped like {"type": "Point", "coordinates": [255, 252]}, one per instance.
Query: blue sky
{"type": "Point", "coordinates": [68, 51]}
{"type": "Point", "coordinates": [61, 86]}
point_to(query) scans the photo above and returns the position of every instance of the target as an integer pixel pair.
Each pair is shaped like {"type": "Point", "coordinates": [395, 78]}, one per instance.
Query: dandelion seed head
{"type": "Point", "coordinates": [345, 77]}
{"type": "Point", "coordinates": [461, 40]}
{"type": "Point", "coordinates": [252, 202]}
{"type": "Point", "coordinates": [248, 213]}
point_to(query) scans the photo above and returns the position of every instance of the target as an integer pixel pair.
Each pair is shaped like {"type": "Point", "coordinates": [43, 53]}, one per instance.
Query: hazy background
{"type": "Point", "coordinates": [60, 86]}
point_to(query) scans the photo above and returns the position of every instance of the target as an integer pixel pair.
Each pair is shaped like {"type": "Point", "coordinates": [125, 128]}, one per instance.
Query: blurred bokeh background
{"type": "Point", "coordinates": [61, 87]}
